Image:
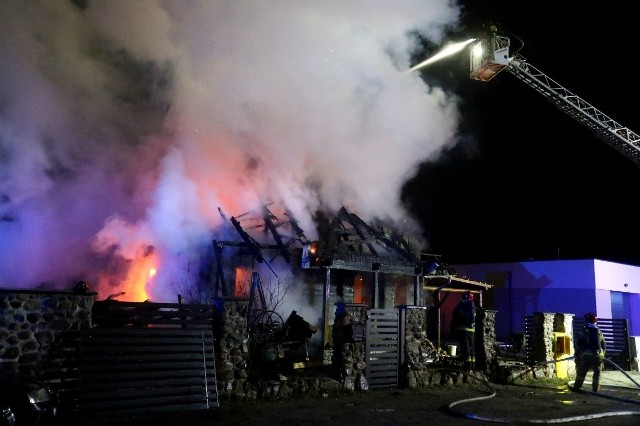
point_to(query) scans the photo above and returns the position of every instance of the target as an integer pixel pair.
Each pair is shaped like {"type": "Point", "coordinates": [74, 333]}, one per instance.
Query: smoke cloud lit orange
{"type": "Point", "coordinates": [125, 125]}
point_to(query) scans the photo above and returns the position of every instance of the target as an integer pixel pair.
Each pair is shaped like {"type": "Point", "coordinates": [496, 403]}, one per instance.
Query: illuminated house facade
{"type": "Point", "coordinates": [609, 289]}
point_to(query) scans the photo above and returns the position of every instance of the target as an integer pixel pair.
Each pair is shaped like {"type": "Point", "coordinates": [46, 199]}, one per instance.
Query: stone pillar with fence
{"type": "Point", "coordinates": [543, 350]}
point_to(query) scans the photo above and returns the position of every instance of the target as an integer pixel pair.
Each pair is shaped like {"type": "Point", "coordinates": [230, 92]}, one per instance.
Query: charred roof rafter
{"type": "Point", "coordinates": [352, 243]}
{"type": "Point", "coordinates": [253, 247]}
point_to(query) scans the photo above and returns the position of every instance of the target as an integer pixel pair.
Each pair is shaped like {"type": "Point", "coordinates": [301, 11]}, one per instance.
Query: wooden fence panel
{"type": "Point", "coordinates": [141, 357]}
{"type": "Point", "coordinates": [382, 347]}
{"type": "Point", "coordinates": [142, 371]}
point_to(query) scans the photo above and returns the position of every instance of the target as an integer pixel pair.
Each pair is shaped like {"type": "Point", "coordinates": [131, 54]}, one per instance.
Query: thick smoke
{"type": "Point", "coordinates": [125, 125]}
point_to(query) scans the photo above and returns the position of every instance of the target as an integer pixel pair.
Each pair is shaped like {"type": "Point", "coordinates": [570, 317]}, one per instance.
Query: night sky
{"type": "Point", "coordinates": [526, 181]}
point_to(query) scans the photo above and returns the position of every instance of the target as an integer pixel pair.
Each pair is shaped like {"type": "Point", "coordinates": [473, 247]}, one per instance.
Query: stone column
{"type": "Point", "coordinates": [349, 345]}
{"type": "Point", "coordinates": [486, 355]}
{"type": "Point", "coordinates": [563, 323]}
{"type": "Point", "coordinates": [542, 342]}
{"type": "Point", "coordinates": [417, 348]}
{"type": "Point", "coordinates": [232, 348]}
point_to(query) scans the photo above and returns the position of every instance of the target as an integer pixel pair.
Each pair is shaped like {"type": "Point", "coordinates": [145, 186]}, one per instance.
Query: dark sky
{"type": "Point", "coordinates": [527, 181]}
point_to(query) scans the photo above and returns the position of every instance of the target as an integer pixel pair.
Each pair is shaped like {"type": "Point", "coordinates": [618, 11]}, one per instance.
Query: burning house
{"type": "Point", "coordinates": [374, 266]}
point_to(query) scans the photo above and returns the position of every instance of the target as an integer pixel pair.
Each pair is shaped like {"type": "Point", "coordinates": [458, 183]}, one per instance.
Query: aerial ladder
{"type": "Point", "coordinates": [490, 55]}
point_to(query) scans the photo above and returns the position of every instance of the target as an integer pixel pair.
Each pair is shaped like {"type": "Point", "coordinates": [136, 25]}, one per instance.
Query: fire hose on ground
{"type": "Point", "coordinates": [453, 411]}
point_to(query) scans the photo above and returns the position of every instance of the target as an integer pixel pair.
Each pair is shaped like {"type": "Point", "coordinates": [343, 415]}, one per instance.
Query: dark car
{"type": "Point", "coordinates": [25, 401]}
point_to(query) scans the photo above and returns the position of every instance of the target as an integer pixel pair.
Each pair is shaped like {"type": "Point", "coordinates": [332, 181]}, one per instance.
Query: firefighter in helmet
{"type": "Point", "coordinates": [590, 348]}
{"type": "Point", "coordinates": [464, 327]}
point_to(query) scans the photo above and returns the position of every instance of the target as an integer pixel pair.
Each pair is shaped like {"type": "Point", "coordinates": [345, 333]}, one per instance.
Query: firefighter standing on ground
{"type": "Point", "coordinates": [590, 348]}
{"type": "Point", "coordinates": [464, 327]}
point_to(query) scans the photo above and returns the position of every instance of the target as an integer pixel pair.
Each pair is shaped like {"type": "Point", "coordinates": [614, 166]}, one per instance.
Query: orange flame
{"type": "Point", "coordinates": [136, 286]}
{"type": "Point", "coordinates": [242, 282]}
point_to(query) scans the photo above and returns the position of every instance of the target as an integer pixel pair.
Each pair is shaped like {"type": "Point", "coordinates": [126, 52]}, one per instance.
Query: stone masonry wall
{"type": "Point", "coordinates": [30, 320]}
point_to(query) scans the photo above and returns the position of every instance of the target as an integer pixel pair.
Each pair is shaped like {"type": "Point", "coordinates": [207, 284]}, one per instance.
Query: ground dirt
{"type": "Point", "coordinates": [523, 402]}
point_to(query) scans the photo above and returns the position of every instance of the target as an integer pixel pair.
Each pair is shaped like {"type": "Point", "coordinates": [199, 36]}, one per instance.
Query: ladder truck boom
{"type": "Point", "coordinates": [490, 56]}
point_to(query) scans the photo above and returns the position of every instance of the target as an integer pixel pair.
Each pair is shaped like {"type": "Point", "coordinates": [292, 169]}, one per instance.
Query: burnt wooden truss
{"type": "Point", "coordinates": [351, 243]}
{"type": "Point", "coordinates": [280, 244]}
